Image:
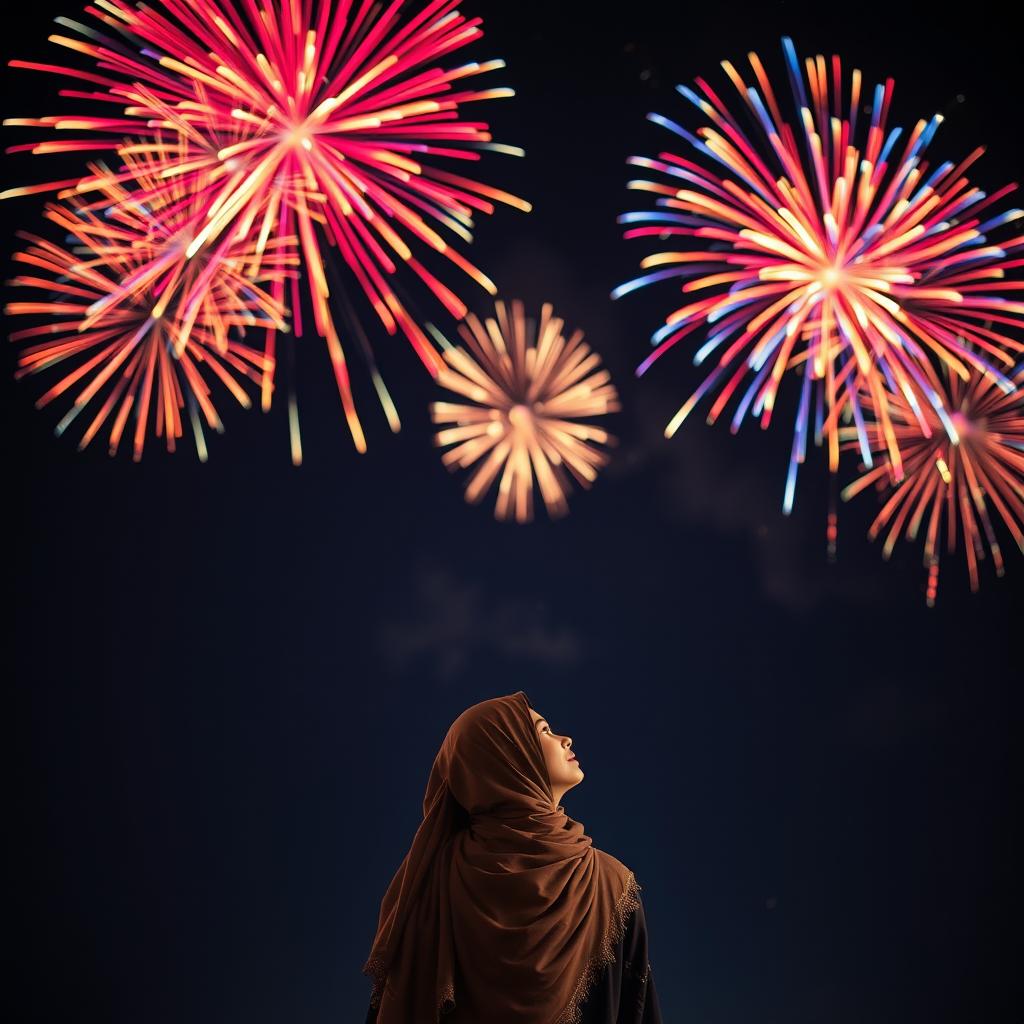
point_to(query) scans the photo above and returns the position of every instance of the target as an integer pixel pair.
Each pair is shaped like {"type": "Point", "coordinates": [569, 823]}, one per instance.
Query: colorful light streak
{"type": "Point", "coordinates": [320, 119]}
{"type": "Point", "coordinates": [952, 482]}
{"type": "Point", "coordinates": [530, 386]}
{"type": "Point", "coordinates": [846, 263]}
{"type": "Point", "coordinates": [145, 329]}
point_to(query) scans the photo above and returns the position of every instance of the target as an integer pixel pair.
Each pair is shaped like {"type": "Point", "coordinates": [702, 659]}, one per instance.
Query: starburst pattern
{"type": "Point", "coordinates": [325, 119]}
{"type": "Point", "coordinates": [530, 386]}
{"type": "Point", "coordinates": [953, 484]}
{"type": "Point", "coordinates": [827, 254]}
{"type": "Point", "coordinates": [137, 327]}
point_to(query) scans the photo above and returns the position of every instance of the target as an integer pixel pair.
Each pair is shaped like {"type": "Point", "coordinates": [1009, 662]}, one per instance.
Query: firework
{"type": "Point", "coordinates": [322, 120]}
{"type": "Point", "coordinates": [138, 327]}
{"type": "Point", "coordinates": [952, 482]}
{"type": "Point", "coordinates": [846, 262]}
{"type": "Point", "coordinates": [530, 386]}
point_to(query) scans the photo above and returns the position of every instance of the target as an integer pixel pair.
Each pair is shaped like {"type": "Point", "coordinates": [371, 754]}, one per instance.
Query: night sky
{"type": "Point", "coordinates": [229, 680]}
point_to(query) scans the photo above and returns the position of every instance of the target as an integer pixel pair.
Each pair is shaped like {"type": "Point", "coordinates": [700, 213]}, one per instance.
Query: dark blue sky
{"type": "Point", "coordinates": [229, 680]}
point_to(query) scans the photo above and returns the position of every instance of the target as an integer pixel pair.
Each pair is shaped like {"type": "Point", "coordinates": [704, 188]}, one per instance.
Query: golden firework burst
{"type": "Point", "coordinates": [531, 387]}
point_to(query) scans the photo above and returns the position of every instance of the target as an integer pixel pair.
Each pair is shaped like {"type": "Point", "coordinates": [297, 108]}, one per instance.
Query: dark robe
{"type": "Point", "coordinates": [624, 991]}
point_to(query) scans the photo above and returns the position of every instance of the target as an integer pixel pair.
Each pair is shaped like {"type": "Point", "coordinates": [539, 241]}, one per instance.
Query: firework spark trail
{"type": "Point", "coordinates": [134, 324]}
{"type": "Point", "coordinates": [315, 119]}
{"type": "Point", "coordinates": [530, 387]}
{"type": "Point", "coordinates": [956, 480]}
{"type": "Point", "coordinates": [845, 262]}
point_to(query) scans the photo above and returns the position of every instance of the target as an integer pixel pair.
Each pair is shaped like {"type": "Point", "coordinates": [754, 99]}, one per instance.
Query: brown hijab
{"type": "Point", "coordinates": [502, 911]}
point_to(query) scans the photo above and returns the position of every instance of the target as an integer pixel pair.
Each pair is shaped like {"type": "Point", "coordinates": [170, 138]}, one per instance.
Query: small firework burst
{"type": "Point", "coordinates": [530, 386]}
{"type": "Point", "coordinates": [139, 328]}
{"type": "Point", "coordinates": [954, 482]}
{"type": "Point", "coordinates": [325, 119]}
{"type": "Point", "coordinates": [846, 263]}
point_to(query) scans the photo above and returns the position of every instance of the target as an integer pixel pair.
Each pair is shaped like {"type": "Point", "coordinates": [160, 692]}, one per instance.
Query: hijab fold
{"type": "Point", "coordinates": [502, 911]}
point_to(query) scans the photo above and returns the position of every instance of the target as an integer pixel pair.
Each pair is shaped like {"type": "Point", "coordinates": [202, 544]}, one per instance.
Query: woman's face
{"type": "Point", "coordinates": [564, 770]}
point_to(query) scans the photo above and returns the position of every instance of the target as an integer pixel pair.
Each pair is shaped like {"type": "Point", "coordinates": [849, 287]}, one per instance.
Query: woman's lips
{"type": "Point", "coordinates": [573, 758]}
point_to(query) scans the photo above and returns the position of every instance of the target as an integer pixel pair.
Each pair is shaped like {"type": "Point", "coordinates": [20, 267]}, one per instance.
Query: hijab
{"type": "Point", "coordinates": [502, 911]}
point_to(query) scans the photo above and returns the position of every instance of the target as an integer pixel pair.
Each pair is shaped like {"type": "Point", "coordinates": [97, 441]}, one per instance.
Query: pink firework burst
{"type": "Point", "coordinates": [138, 328]}
{"type": "Point", "coordinates": [952, 482]}
{"type": "Point", "coordinates": [848, 263]}
{"type": "Point", "coordinates": [323, 119]}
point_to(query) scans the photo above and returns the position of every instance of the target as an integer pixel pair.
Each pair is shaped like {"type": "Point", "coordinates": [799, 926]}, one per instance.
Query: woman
{"type": "Point", "coordinates": [503, 911]}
